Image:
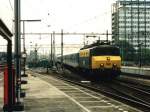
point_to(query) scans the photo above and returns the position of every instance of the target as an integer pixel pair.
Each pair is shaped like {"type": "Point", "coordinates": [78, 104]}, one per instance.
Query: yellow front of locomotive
{"type": "Point", "coordinates": [106, 62]}
{"type": "Point", "coordinates": [106, 59]}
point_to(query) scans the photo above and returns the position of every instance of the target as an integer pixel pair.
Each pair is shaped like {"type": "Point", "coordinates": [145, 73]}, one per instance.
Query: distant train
{"type": "Point", "coordinates": [98, 59]}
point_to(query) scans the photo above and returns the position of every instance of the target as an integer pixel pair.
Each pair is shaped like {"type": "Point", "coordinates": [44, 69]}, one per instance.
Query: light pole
{"type": "Point", "coordinates": [53, 49]}
{"type": "Point", "coordinates": [35, 56]}
{"type": "Point", "coordinates": [17, 52]}
{"type": "Point", "coordinates": [62, 45]}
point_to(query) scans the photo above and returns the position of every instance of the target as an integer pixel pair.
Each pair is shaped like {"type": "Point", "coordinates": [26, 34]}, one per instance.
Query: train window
{"type": "Point", "coordinates": [106, 51]}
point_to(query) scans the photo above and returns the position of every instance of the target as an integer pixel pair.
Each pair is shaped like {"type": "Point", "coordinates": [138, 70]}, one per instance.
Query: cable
{"type": "Point", "coordinates": [89, 20]}
{"type": "Point", "coordinates": [11, 5]}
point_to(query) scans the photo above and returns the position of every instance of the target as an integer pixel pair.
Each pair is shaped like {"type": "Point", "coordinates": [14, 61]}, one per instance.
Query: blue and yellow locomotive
{"type": "Point", "coordinates": [99, 59]}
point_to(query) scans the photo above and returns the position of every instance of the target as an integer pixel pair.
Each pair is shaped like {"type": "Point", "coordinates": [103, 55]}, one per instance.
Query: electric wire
{"type": "Point", "coordinates": [11, 5]}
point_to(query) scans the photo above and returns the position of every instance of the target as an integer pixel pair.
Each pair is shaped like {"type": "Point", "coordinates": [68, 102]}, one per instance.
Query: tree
{"type": "Point", "coordinates": [127, 50]}
{"type": "Point", "coordinates": [145, 56]}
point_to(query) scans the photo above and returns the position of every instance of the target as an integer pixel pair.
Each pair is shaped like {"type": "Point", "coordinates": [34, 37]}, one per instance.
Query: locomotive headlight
{"type": "Point", "coordinates": [114, 65]}
{"type": "Point", "coordinates": [101, 65]}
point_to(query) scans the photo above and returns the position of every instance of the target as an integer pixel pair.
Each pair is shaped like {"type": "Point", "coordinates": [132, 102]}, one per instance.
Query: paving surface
{"type": "Point", "coordinates": [43, 97]}
{"type": "Point", "coordinates": [46, 94]}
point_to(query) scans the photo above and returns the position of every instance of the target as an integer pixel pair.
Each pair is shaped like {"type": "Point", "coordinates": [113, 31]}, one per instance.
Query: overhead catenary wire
{"type": "Point", "coordinates": [96, 17]}
{"type": "Point", "coordinates": [11, 5]}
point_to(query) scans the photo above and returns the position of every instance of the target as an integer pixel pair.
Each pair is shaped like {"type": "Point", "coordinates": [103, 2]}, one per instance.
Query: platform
{"type": "Point", "coordinates": [42, 96]}
{"type": "Point", "coordinates": [136, 70]}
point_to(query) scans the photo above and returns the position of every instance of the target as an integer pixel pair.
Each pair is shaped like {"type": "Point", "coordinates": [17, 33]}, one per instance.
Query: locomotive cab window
{"type": "Point", "coordinates": [114, 51]}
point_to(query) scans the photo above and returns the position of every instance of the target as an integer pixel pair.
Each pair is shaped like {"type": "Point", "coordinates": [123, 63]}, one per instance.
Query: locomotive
{"type": "Point", "coordinates": [100, 59]}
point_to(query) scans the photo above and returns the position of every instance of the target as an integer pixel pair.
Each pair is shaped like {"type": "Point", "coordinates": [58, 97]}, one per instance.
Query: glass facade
{"type": "Point", "coordinates": [131, 22]}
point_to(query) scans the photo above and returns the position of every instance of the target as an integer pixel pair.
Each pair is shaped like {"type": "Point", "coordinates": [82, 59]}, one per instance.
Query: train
{"type": "Point", "coordinates": [100, 59]}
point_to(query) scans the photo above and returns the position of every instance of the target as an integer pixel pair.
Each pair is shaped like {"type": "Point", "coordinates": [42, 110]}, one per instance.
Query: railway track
{"type": "Point", "coordinates": [115, 90]}
{"type": "Point", "coordinates": [135, 83]}
{"type": "Point", "coordinates": [131, 90]}
{"type": "Point", "coordinates": [117, 93]}
{"type": "Point", "coordinates": [136, 75]}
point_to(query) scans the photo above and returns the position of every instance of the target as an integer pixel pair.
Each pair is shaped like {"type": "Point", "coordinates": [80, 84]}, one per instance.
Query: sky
{"type": "Point", "coordinates": [69, 15]}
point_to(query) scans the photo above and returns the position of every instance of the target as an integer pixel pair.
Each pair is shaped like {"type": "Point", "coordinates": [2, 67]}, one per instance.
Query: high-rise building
{"type": "Point", "coordinates": [131, 22]}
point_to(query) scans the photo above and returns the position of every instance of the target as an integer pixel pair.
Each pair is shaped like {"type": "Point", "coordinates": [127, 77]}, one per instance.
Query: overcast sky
{"type": "Point", "coordinates": [70, 15]}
